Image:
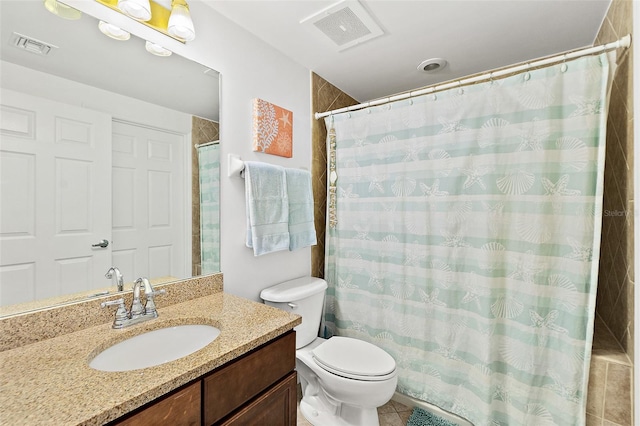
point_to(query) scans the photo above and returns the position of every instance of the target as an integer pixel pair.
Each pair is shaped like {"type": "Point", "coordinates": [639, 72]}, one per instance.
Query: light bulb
{"type": "Point", "coordinates": [137, 9]}
{"type": "Point", "coordinates": [156, 49]}
{"type": "Point", "coordinates": [62, 10]}
{"type": "Point", "coordinates": [112, 31]}
{"type": "Point", "coordinates": [180, 23]}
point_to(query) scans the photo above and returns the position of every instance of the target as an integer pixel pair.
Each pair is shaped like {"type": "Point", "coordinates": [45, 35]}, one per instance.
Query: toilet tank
{"type": "Point", "coordinates": [303, 296]}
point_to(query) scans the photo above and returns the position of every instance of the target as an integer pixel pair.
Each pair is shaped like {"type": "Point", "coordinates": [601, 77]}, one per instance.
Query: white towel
{"type": "Point", "coordinates": [302, 231]}
{"type": "Point", "coordinates": [267, 207]}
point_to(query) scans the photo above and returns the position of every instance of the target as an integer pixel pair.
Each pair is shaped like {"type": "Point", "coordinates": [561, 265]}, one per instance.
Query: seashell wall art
{"type": "Point", "coordinates": [272, 129]}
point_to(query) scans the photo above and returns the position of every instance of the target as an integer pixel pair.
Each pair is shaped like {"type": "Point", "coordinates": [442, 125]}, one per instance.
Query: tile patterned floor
{"type": "Point", "coordinates": [394, 414]}
{"type": "Point", "coordinates": [391, 414]}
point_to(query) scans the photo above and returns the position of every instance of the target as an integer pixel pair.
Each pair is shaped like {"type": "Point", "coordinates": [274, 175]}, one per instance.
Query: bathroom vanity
{"type": "Point", "coordinates": [245, 376]}
{"type": "Point", "coordinates": [258, 388]}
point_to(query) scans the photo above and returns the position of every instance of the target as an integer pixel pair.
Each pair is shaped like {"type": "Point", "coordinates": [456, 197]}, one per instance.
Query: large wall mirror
{"type": "Point", "coordinates": [108, 158]}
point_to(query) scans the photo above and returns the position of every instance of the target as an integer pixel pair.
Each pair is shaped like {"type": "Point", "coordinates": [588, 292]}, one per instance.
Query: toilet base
{"type": "Point", "coordinates": [343, 416]}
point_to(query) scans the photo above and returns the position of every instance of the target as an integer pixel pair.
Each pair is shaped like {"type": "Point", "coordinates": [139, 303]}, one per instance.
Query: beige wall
{"type": "Point", "coordinates": [324, 97]}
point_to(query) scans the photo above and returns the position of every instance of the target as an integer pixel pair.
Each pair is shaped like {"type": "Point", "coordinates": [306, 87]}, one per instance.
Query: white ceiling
{"type": "Point", "coordinates": [473, 36]}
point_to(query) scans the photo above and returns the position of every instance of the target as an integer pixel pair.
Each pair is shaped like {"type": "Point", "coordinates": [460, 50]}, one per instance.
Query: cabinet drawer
{"type": "Point", "coordinates": [181, 407]}
{"type": "Point", "coordinates": [238, 382]}
{"type": "Point", "coordinates": [277, 406]}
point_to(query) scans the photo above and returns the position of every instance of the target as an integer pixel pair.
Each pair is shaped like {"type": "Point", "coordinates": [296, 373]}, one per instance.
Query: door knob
{"type": "Point", "coordinates": [102, 244]}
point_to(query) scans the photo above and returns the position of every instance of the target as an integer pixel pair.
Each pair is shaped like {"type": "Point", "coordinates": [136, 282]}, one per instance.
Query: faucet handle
{"type": "Point", "coordinates": [156, 293]}
{"type": "Point", "coordinates": [121, 313]}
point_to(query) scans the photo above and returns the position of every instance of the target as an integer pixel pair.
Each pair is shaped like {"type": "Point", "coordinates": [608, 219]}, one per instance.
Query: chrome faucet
{"type": "Point", "coordinates": [119, 278]}
{"type": "Point", "coordinates": [137, 313]}
{"type": "Point", "coordinates": [149, 293]}
{"type": "Point", "coordinates": [136, 309]}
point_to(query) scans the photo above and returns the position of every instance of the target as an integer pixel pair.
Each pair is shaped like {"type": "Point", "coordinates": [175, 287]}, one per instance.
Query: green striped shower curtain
{"type": "Point", "coordinates": [209, 170]}
{"type": "Point", "coordinates": [464, 236]}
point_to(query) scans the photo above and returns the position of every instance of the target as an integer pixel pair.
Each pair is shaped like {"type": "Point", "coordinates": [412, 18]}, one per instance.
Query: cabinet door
{"type": "Point", "coordinates": [277, 406]}
{"type": "Point", "coordinates": [178, 408]}
{"type": "Point", "coordinates": [230, 387]}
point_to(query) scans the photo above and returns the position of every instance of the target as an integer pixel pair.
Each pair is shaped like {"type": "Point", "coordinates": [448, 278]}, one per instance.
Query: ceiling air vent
{"type": "Point", "coordinates": [31, 44]}
{"type": "Point", "coordinates": [346, 23]}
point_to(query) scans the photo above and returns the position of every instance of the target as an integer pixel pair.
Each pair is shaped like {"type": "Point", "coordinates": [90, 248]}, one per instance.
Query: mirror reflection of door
{"type": "Point", "coordinates": [55, 198]}
{"type": "Point", "coordinates": [148, 215]}
{"type": "Point", "coordinates": [71, 177]}
{"type": "Point", "coordinates": [91, 71]}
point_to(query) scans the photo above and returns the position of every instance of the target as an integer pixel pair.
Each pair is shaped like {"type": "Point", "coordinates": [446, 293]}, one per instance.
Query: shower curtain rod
{"type": "Point", "coordinates": [523, 66]}
{"type": "Point", "coordinates": [200, 145]}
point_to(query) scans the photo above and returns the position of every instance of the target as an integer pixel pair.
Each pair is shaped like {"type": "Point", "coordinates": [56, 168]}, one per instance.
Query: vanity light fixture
{"type": "Point", "coordinates": [180, 24]}
{"type": "Point", "coordinates": [156, 49]}
{"type": "Point", "coordinates": [62, 10]}
{"type": "Point", "coordinates": [170, 17]}
{"type": "Point", "coordinates": [137, 9]}
{"type": "Point", "coordinates": [113, 31]}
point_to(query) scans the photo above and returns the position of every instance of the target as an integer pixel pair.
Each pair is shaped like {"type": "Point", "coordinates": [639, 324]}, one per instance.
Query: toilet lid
{"type": "Point", "coordinates": [353, 358]}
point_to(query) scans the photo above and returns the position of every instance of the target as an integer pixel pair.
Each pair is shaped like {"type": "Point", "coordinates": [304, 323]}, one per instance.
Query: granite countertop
{"type": "Point", "coordinates": [50, 382]}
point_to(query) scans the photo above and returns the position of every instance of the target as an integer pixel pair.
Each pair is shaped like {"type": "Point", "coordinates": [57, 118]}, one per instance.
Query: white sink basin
{"type": "Point", "coordinates": [155, 347]}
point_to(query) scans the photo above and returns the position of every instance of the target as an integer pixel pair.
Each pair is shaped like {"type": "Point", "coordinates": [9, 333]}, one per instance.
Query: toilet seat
{"type": "Point", "coordinates": [354, 359]}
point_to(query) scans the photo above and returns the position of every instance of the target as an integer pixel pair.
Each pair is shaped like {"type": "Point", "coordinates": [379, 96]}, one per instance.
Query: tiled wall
{"type": "Point", "coordinates": [324, 97]}
{"type": "Point", "coordinates": [610, 387]}
{"type": "Point", "coordinates": [202, 130]}
{"type": "Point", "coordinates": [616, 269]}
{"type": "Point", "coordinates": [609, 400]}
{"type": "Point", "coordinates": [616, 280]}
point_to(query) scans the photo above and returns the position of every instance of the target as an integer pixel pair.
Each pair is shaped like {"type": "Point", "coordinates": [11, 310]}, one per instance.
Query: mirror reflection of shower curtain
{"type": "Point", "coordinates": [465, 240]}
{"type": "Point", "coordinates": [209, 170]}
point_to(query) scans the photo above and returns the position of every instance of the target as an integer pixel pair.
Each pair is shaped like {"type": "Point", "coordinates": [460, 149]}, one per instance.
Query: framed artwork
{"type": "Point", "coordinates": [272, 129]}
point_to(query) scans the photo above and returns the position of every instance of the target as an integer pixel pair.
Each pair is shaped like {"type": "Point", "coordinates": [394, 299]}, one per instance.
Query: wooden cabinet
{"type": "Point", "coordinates": [243, 379]}
{"type": "Point", "coordinates": [258, 388]}
{"type": "Point", "coordinates": [277, 406]}
{"type": "Point", "coordinates": [181, 407]}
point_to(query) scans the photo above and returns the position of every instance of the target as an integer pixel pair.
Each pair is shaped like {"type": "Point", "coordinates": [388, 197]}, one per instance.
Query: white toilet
{"type": "Point", "coordinates": [343, 379]}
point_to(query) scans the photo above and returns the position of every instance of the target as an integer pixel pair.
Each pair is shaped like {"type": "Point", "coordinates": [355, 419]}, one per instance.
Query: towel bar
{"type": "Point", "coordinates": [235, 166]}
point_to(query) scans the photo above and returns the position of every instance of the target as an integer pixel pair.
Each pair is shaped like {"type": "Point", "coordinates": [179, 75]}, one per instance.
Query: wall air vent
{"type": "Point", "coordinates": [346, 23]}
{"type": "Point", "coordinates": [30, 44]}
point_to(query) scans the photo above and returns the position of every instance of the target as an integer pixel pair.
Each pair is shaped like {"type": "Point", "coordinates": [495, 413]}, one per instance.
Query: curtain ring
{"type": "Point", "coordinates": [460, 89]}
{"type": "Point", "coordinates": [527, 75]}
{"type": "Point", "coordinates": [564, 66]}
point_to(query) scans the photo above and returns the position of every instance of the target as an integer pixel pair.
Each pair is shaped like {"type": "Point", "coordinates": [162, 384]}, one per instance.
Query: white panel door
{"type": "Point", "coordinates": [55, 198]}
{"type": "Point", "coordinates": [149, 237]}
